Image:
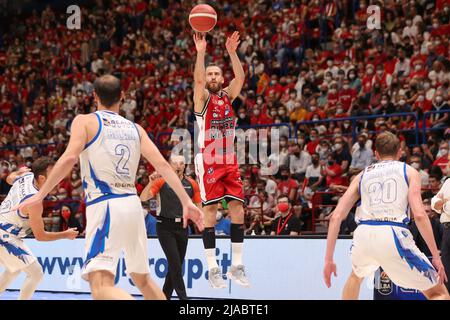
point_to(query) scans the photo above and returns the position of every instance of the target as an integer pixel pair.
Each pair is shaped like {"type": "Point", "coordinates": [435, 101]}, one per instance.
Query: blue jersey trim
{"type": "Point", "coordinates": [414, 261]}
{"type": "Point", "coordinates": [23, 199]}
{"type": "Point", "coordinates": [109, 111]}
{"type": "Point", "coordinates": [14, 250]}
{"type": "Point", "coordinates": [383, 223]}
{"type": "Point", "coordinates": [134, 124]}
{"type": "Point", "coordinates": [100, 127]}
{"type": "Point", "coordinates": [22, 176]}
{"type": "Point", "coordinates": [98, 244]}
{"type": "Point", "coordinates": [101, 185]}
{"type": "Point", "coordinates": [359, 188]}
{"type": "Point", "coordinates": [405, 174]}
{"type": "Point", "coordinates": [108, 197]}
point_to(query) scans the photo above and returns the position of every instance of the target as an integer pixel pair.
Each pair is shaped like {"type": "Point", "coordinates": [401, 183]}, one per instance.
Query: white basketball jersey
{"type": "Point", "coordinates": [12, 221]}
{"type": "Point", "coordinates": [110, 160]}
{"type": "Point", "coordinates": [384, 193]}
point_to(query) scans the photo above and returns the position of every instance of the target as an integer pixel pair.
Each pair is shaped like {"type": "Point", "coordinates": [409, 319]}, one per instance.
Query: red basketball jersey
{"type": "Point", "coordinates": [217, 124]}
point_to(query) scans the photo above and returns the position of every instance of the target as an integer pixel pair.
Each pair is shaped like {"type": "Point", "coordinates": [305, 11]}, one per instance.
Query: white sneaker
{"type": "Point", "coordinates": [237, 274]}
{"type": "Point", "coordinates": [215, 278]}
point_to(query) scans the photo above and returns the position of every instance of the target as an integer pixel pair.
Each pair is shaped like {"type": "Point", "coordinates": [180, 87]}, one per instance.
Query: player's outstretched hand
{"type": "Point", "coordinates": [330, 267]}
{"type": "Point", "coordinates": [232, 42]}
{"type": "Point", "coordinates": [71, 233]}
{"type": "Point", "coordinates": [200, 41]}
{"type": "Point", "coordinates": [191, 211]}
{"type": "Point", "coordinates": [437, 263]}
{"type": "Point", "coordinates": [35, 199]}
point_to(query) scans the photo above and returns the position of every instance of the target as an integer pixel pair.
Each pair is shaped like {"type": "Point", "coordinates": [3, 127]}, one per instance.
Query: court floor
{"type": "Point", "coordinates": [14, 294]}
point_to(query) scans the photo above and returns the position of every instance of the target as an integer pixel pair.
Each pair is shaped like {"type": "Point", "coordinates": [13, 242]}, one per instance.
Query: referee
{"type": "Point", "coordinates": [441, 204]}
{"type": "Point", "coordinates": [169, 228]}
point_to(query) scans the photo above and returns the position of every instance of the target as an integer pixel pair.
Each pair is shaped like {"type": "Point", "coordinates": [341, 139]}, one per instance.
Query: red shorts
{"type": "Point", "coordinates": [218, 181]}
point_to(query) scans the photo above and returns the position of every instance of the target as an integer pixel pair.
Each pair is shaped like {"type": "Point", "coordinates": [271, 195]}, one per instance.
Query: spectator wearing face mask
{"type": "Point", "coordinates": [341, 154]}
{"type": "Point", "coordinates": [69, 220]}
{"type": "Point", "coordinates": [362, 157]}
{"type": "Point", "coordinates": [332, 172]}
{"type": "Point", "coordinates": [314, 177]}
{"type": "Point", "coordinates": [243, 118]}
{"type": "Point", "coordinates": [402, 67]}
{"type": "Point", "coordinates": [286, 224]}
{"type": "Point", "coordinates": [442, 156]}
{"type": "Point", "coordinates": [287, 185]}
{"type": "Point", "coordinates": [354, 81]}
{"type": "Point", "coordinates": [314, 141]}
{"type": "Point", "coordinates": [299, 160]}
{"type": "Point", "coordinates": [416, 163]}
{"type": "Point", "coordinates": [439, 104]}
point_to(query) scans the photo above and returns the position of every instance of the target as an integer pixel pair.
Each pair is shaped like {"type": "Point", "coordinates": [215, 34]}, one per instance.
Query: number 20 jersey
{"type": "Point", "coordinates": [110, 160]}
{"type": "Point", "coordinates": [383, 188]}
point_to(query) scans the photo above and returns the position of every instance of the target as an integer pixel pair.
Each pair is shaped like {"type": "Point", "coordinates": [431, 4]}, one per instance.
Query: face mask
{"type": "Point", "coordinates": [314, 108]}
{"type": "Point", "coordinates": [333, 91]}
{"type": "Point", "coordinates": [65, 214]}
{"type": "Point", "coordinates": [141, 171]}
{"type": "Point", "coordinates": [426, 85]}
{"type": "Point", "coordinates": [439, 99]}
{"type": "Point", "coordinates": [301, 141]}
{"type": "Point", "coordinates": [443, 152]}
{"type": "Point", "coordinates": [256, 112]}
{"type": "Point", "coordinates": [418, 67]}
{"type": "Point", "coordinates": [340, 111]}
{"type": "Point", "coordinates": [283, 207]}
{"type": "Point", "coordinates": [146, 86]}
{"type": "Point", "coordinates": [219, 215]}
{"type": "Point", "coordinates": [273, 113]}
{"type": "Point", "coordinates": [284, 177]}
{"type": "Point", "coordinates": [74, 177]}
{"type": "Point", "coordinates": [329, 63]}
{"type": "Point", "coordinates": [282, 143]}
{"type": "Point", "coordinates": [361, 144]}
{"type": "Point", "coordinates": [379, 72]}
{"type": "Point", "coordinates": [315, 162]}
{"type": "Point", "coordinates": [402, 102]}
{"type": "Point", "coordinates": [337, 146]}
{"type": "Point", "coordinates": [415, 165]}
{"type": "Point", "coordinates": [346, 86]}
{"type": "Point", "coordinates": [259, 101]}
{"type": "Point", "coordinates": [330, 162]}
{"type": "Point", "coordinates": [328, 78]}
{"type": "Point", "coordinates": [420, 98]}
{"type": "Point", "coordinates": [352, 76]}
{"type": "Point", "coordinates": [242, 115]}
{"type": "Point", "coordinates": [370, 71]}
{"type": "Point", "coordinates": [435, 25]}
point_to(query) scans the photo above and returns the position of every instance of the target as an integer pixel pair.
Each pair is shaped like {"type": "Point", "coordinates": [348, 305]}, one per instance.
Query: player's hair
{"type": "Point", "coordinates": [108, 90]}
{"type": "Point", "coordinates": [281, 196]}
{"type": "Point", "coordinates": [40, 165]}
{"type": "Point", "coordinates": [212, 64]}
{"type": "Point", "coordinates": [387, 144]}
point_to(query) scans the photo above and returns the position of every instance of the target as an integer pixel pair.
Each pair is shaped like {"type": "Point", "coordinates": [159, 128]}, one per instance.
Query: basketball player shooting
{"type": "Point", "coordinates": [216, 164]}
{"type": "Point", "coordinates": [109, 147]}
{"type": "Point", "coordinates": [387, 190]}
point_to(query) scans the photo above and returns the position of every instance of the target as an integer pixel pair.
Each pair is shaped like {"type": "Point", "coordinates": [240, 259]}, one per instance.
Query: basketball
{"type": "Point", "coordinates": [202, 18]}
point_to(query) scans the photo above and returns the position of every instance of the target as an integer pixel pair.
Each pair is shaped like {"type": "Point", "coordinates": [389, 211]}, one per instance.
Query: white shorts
{"type": "Point", "coordinates": [113, 226]}
{"type": "Point", "coordinates": [14, 253]}
{"type": "Point", "coordinates": [392, 248]}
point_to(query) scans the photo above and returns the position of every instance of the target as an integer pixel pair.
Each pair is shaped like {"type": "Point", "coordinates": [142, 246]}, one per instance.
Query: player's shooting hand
{"type": "Point", "coordinates": [192, 212]}
{"type": "Point", "coordinates": [200, 41]}
{"type": "Point", "coordinates": [71, 233]}
{"type": "Point", "coordinates": [232, 42]}
{"type": "Point", "coordinates": [330, 267]}
{"type": "Point", "coordinates": [437, 263]}
{"type": "Point", "coordinates": [35, 199]}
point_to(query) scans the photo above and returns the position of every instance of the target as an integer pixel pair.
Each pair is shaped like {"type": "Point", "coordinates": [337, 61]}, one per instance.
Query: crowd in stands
{"type": "Point", "coordinates": [308, 65]}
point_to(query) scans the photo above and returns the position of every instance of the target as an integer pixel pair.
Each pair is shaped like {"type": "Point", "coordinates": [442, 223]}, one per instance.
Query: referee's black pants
{"type": "Point", "coordinates": [173, 239]}
{"type": "Point", "coordinates": [445, 252]}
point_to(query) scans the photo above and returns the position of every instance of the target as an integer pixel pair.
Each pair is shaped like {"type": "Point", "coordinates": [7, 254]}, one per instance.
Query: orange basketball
{"type": "Point", "coordinates": [202, 18]}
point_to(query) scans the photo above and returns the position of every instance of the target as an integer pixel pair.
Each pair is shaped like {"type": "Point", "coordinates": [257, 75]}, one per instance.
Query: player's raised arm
{"type": "Point", "coordinates": [200, 93]}
{"type": "Point", "coordinates": [236, 84]}
{"type": "Point", "coordinates": [152, 154]}
{"type": "Point", "coordinates": [78, 139]}
{"type": "Point", "coordinates": [341, 211]}
{"type": "Point", "coordinates": [37, 226]}
{"type": "Point", "coordinates": [422, 220]}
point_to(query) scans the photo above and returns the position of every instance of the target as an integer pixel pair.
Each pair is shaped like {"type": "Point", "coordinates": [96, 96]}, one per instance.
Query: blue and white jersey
{"type": "Point", "coordinates": [384, 193]}
{"type": "Point", "coordinates": [110, 160]}
{"type": "Point", "coordinates": [12, 221]}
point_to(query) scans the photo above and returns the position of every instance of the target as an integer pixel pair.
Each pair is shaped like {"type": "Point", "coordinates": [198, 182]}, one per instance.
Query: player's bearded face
{"type": "Point", "coordinates": [214, 79]}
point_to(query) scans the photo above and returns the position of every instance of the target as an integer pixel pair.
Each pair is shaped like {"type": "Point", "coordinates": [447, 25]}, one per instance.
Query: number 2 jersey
{"type": "Point", "coordinates": [12, 221]}
{"type": "Point", "coordinates": [383, 189]}
{"type": "Point", "coordinates": [110, 160]}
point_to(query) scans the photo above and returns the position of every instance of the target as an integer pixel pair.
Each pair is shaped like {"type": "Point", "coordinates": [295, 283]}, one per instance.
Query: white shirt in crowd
{"type": "Point", "coordinates": [444, 193]}
{"type": "Point", "coordinates": [300, 163]}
